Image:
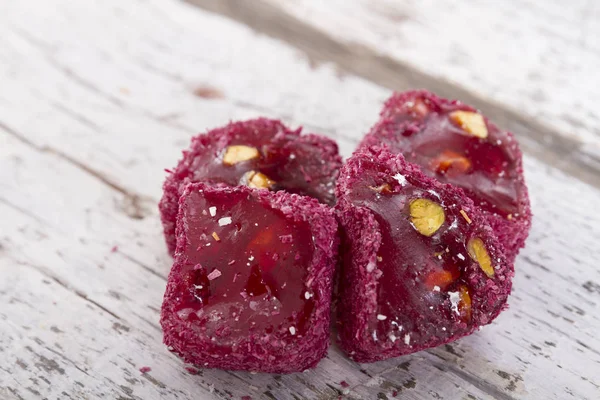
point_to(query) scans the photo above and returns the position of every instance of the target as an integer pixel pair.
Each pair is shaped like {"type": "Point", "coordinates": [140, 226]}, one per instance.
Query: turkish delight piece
{"type": "Point", "coordinates": [251, 285]}
{"type": "Point", "coordinates": [421, 266]}
{"type": "Point", "coordinates": [259, 153]}
{"type": "Point", "coordinates": [455, 144]}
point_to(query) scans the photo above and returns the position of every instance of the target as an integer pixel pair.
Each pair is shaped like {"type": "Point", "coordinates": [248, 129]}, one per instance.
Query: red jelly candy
{"type": "Point", "coordinates": [455, 144]}
{"type": "Point", "coordinates": [421, 265]}
{"type": "Point", "coordinates": [258, 153]}
{"type": "Point", "coordinates": [251, 285]}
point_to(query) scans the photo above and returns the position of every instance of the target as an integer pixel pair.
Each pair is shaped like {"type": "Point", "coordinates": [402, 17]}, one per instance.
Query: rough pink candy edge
{"type": "Point", "coordinates": [360, 241]}
{"type": "Point", "coordinates": [297, 355]}
{"type": "Point", "coordinates": [512, 234]}
{"type": "Point", "coordinates": [177, 179]}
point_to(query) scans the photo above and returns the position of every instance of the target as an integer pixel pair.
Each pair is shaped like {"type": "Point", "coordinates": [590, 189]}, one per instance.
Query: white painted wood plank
{"type": "Point", "coordinates": [95, 126]}
{"type": "Point", "coordinates": [148, 69]}
{"type": "Point", "coordinates": [540, 58]}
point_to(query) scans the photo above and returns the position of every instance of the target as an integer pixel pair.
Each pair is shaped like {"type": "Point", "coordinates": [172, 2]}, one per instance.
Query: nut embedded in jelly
{"type": "Point", "coordinates": [478, 252]}
{"type": "Point", "coordinates": [426, 216]}
{"type": "Point", "coordinates": [239, 153]}
{"type": "Point", "coordinates": [258, 180]}
{"type": "Point", "coordinates": [471, 122]}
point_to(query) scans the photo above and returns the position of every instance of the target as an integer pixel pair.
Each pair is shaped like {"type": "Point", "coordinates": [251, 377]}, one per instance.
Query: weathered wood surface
{"type": "Point", "coordinates": [97, 98]}
{"type": "Point", "coordinates": [362, 38]}
{"type": "Point", "coordinates": [539, 58]}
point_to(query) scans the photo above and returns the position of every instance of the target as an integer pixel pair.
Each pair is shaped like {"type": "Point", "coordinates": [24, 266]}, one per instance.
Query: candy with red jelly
{"type": "Point", "coordinates": [456, 144]}
{"type": "Point", "coordinates": [260, 153]}
{"type": "Point", "coordinates": [421, 265]}
{"type": "Point", "coordinates": [251, 285]}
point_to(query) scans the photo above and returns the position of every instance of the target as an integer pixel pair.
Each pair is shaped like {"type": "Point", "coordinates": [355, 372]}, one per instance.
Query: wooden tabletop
{"type": "Point", "coordinates": [97, 98]}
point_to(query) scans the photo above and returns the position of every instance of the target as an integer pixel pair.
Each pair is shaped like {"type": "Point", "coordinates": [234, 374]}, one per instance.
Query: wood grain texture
{"type": "Point", "coordinates": [539, 58]}
{"type": "Point", "coordinates": [324, 41]}
{"type": "Point", "coordinates": [98, 98]}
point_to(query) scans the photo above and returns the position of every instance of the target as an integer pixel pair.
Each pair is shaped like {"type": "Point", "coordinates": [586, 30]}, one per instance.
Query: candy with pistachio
{"type": "Point", "coordinates": [260, 154]}
{"type": "Point", "coordinates": [456, 144]}
{"type": "Point", "coordinates": [420, 264]}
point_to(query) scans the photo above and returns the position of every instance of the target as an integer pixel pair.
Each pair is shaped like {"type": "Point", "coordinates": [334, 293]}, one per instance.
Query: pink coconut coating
{"type": "Point", "coordinates": [305, 164]}
{"type": "Point", "coordinates": [248, 268]}
{"type": "Point", "coordinates": [385, 307]}
{"type": "Point", "coordinates": [416, 124]}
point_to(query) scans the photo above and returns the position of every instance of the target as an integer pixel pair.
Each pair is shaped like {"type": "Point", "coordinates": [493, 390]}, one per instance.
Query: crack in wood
{"type": "Point", "coordinates": [24, 212]}
{"type": "Point", "coordinates": [45, 363]}
{"type": "Point", "coordinates": [65, 358]}
{"type": "Point", "coordinates": [74, 115]}
{"type": "Point", "coordinates": [536, 139]}
{"type": "Point", "coordinates": [47, 52]}
{"type": "Point", "coordinates": [376, 378]}
{"type": "Point", "coordinates": [591, 287]}
{"type": "Point", "coordinates": [14, 392]}
{"type": "Point", "coordinates": [559, 331]}
{"type": "Point", "coordinates": [143, 266]}
{"type": "Point", "coordinates": [153, 325]}
{"type": "Point", "coordinates": [133, 204]}
{"type": "Point", "coordinates": [482, 385]}
{"type": "Point", "coordinates": [71, 289]}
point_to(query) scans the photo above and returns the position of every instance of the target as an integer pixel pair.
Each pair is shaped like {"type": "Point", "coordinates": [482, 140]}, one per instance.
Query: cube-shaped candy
{"type": "Point", "coordinates": [456, 144]}
{"type": "Point", "coordinates": [421, 265]}
{"type": "Point", "coordinates": [251, 285]}
{"type": "Point", "coordinates": [258, 153]}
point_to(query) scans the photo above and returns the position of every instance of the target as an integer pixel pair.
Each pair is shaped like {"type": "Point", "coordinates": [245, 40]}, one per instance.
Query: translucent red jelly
{"type": "Point", "coordinates": [419, 273]}
{"type": "Point", "coordinates": [259, 153]}
{"type": "Point", "coordinates": [250, 288]}
{"type": "Point", "coordinates": [418, 125]}
{"type": "Point", "coordinates": [245, 268]}
{"type": "Point", "coordinates": [409, 283]}
{"type": "Point", "coordinates": [296, 163]}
